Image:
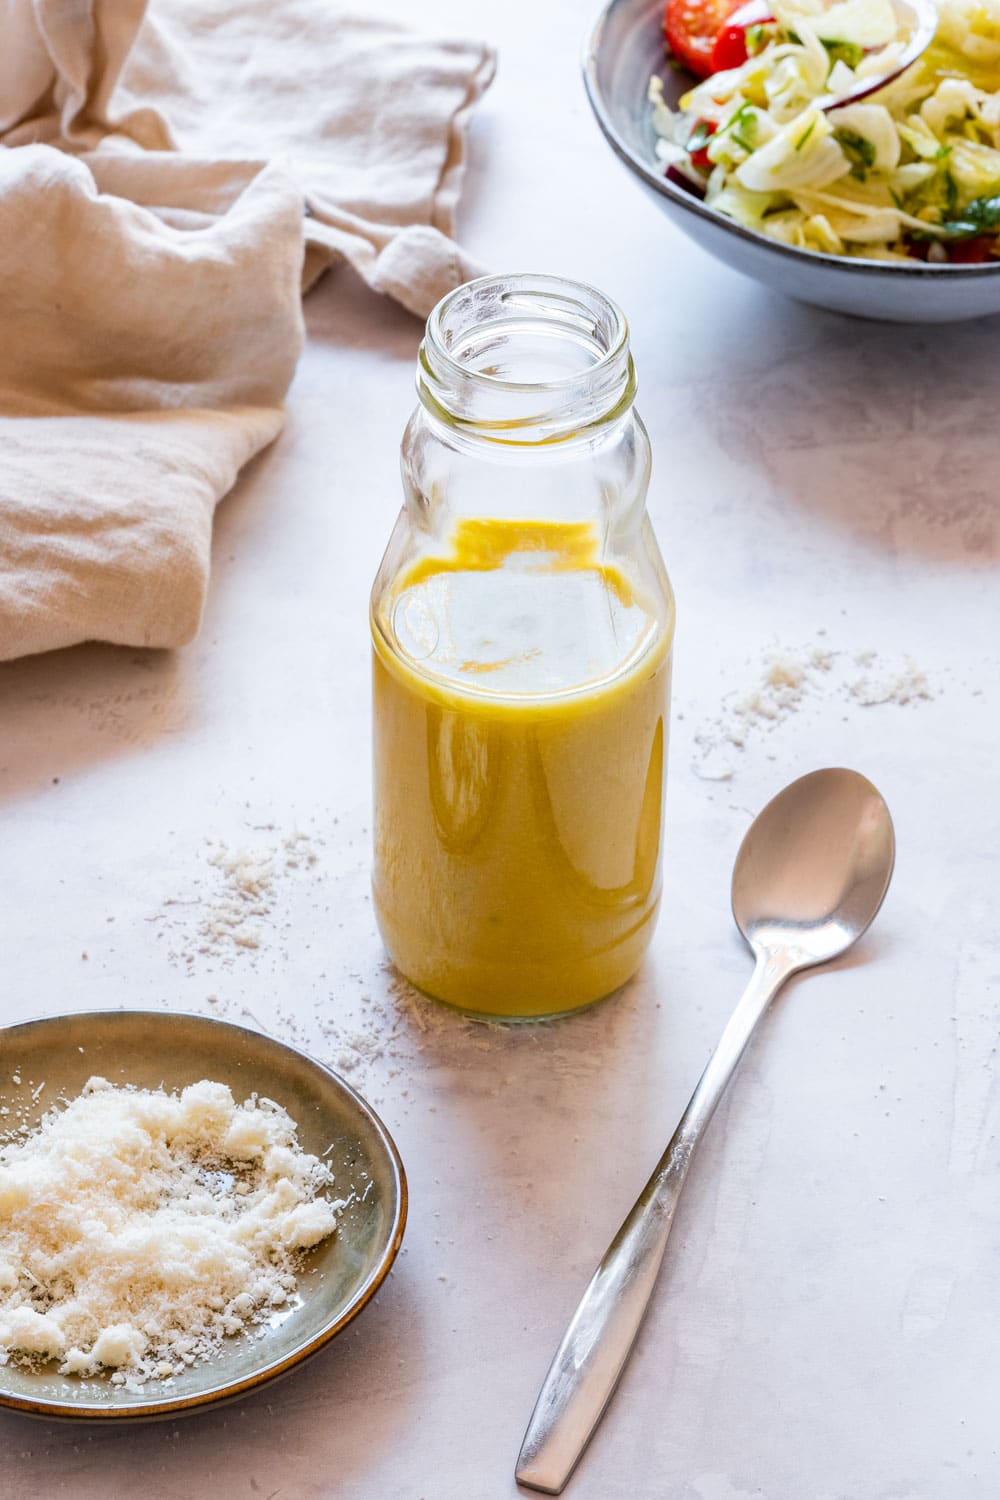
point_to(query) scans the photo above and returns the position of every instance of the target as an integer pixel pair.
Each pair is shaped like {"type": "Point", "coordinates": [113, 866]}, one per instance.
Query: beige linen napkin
{"type": "Point", "coordinates": [154, 168]}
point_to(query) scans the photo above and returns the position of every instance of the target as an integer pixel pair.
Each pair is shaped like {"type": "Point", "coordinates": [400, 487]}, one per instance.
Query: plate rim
{"type": "Point", "coordinates": [54, 1410]}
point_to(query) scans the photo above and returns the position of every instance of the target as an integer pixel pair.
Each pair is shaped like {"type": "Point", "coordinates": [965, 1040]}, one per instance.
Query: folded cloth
{"type": "Point", "coordinates": [172, 178]}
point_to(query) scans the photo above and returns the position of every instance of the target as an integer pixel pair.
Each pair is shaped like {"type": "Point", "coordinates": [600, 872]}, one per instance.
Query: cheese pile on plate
{"type": "Point", "coordinates": [139, 1229]}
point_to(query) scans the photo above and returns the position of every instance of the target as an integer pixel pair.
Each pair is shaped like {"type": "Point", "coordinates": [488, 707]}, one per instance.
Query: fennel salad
{"type": "Point", "coordinates": [912, 172]}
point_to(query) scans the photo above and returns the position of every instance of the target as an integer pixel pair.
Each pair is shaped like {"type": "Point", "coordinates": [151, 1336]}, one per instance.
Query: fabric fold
{"type": "Point", "coordinates": [368, 118]}
{"type": "Point", "coordinates": [172, 174]}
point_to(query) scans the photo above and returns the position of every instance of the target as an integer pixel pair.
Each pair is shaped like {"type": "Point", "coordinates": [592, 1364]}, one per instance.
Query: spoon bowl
{"type": "Point", "coordinates": [814, 867]}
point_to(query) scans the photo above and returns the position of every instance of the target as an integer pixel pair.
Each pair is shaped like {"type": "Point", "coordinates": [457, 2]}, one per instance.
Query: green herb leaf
{"type": "Point", "coordinates": [757, 37]}
{"type": "Point", "coordinates": [700, 136]}
{"type": "Point", "coordinates": [848, 53]}
{"type": "Point", "coordinates": [859, 151]}
{"type": "Point", "coordinates": [743, 127]}
{"type": "Point", "coordinates": [977, 217]}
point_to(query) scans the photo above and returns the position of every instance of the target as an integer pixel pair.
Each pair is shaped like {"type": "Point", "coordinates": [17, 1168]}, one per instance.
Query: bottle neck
{"type": "Point", "coordinates": [526, 361]}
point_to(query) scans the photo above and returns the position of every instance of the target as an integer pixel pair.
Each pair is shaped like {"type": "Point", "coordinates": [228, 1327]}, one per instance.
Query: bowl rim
{"type": "Point", "coordinates": [53, 1409]}
{"type": "Point", "coordinates": [853, 265]}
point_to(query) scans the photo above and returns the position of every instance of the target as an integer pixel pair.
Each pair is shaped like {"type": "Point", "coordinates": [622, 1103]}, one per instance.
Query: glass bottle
{"type": "Point", "coordinates": [522, 628]}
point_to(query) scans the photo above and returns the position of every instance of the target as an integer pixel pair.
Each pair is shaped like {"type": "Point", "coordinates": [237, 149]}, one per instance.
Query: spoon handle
{"type": "Point", "coordinates": [589, 1361]}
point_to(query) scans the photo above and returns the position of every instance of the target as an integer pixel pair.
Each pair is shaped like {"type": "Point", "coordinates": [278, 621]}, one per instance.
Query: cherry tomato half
{"type": "Point", "coordinates": [691, 27]}
{"type": "Point", "coordinates": [730, 47]}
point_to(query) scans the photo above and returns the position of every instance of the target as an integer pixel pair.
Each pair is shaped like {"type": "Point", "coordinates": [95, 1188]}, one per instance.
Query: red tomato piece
{"type": "Point", "coordinates": [691, 27]}
{"type": "Point", "coordinates": [974, 252]}
{"type": "Point", "coordinates": [699, 138]}
{"type": "Point", "coordinates": [730, 47]}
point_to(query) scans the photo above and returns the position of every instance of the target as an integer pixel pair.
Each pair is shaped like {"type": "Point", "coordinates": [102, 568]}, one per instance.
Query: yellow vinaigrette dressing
{"type": "Point", "coordinates": [521, 688]}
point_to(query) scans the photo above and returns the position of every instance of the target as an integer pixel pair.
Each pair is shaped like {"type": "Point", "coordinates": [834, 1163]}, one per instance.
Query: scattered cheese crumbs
{"type": "Point", "coordinates": [783, 686]}
{"type": "Point", "coordinates": [247, 894]}
{"type": "Point", "coordinates": [138, 1229]}
{"type": "Point", "coordinates": [235, 907]}
{"type": "Point", "coordinates": [788, 679]}
{"type": "Point", "coordinates": [876, 685]}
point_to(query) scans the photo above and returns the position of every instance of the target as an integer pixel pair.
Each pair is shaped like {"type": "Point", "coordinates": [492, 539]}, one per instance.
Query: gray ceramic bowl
{"type": "Point", "coordinates": [338, 1278]}
{"type": "Point", "coordinates": [624, 51]}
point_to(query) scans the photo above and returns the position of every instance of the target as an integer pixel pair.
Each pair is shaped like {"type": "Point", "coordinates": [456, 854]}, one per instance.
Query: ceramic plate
{"type": "Point", "coordinates": [338, 1277]}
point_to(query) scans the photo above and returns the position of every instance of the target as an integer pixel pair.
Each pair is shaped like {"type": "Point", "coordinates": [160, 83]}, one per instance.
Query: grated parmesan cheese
{"type": "Point", "coordinates": [790, 678]}
{"type": "Point", "coordinates": [139, 1229]}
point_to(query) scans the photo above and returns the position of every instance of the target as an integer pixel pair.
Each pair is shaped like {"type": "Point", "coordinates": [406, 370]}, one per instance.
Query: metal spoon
{"type": "Point", "coordinates": [920, 17]}
{"type": "Point", "coordinates": [809, 877]}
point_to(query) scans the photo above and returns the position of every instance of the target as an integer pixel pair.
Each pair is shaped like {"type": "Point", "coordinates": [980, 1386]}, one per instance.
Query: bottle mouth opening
{"type": "Point", "coordinates": [507, 354]}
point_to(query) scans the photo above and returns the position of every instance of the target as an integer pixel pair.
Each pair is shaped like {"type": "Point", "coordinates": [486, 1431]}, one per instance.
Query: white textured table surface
{"type": "Point", "coordinates": [825, 1328]}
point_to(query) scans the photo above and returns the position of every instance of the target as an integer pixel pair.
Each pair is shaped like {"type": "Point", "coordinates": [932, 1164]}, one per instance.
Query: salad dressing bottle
{"type": "Point", "coordinates": [522, 627]}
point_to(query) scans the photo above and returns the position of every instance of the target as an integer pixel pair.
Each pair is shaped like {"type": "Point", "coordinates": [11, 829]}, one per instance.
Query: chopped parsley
{"type": "Point", "coordinates": [977, 217]}
{"type": "Point", "coordinates": [757, 37]}
{"type": "Point", "coordinates": [742, 128]}
{"type": "Point", "coordinates": [700, 136]}
{"type": "Point", "coordinates": [849, 53]}
{"type": "Point", "coordinates": [860, 151]}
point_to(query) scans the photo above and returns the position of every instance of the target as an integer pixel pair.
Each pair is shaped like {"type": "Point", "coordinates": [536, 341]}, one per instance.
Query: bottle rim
{"type": "Point", "coordinates": [484, 319]}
